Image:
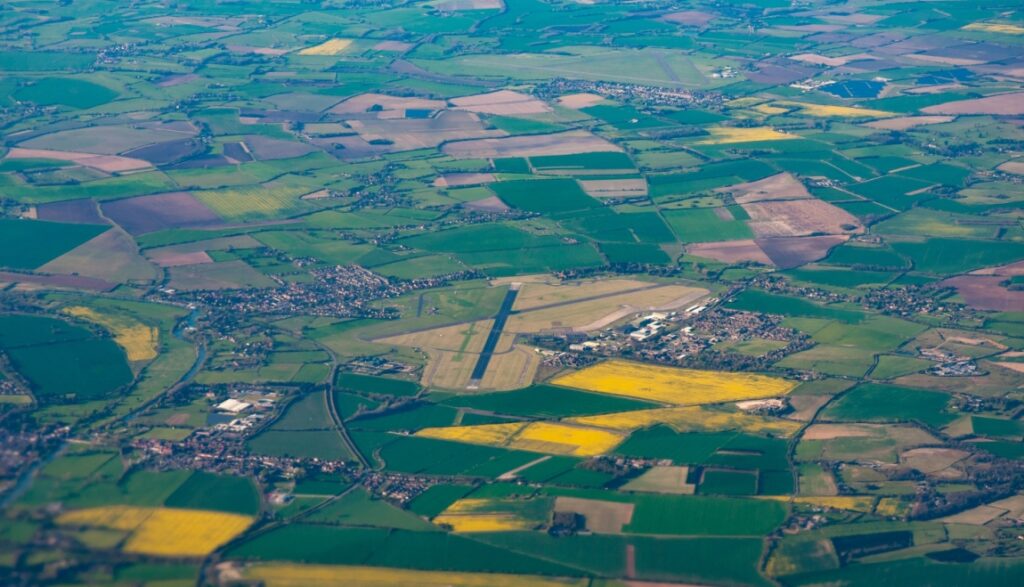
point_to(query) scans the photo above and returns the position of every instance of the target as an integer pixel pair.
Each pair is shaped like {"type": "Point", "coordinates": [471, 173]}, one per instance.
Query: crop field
{"type": "Point", "coordinates": [493, 515]}
{"type": "Point", "coordinates": [691, 419]}
{"type": "Point", "coordinates": [292, 575]}
{"type": "Point", "coordinates": [543, 437]}
{"type": "Point", "coordinates": [27, 244]}
{"type": "Point", "coordinates": [163, 531]}
{"type": "Point", "coordinates": [673, 386]}
{"type": "Point", "coordinates": [138, 340]}
{"type": "Point", "coordinates": [728, 135]}
{"type": "Point", "coordinates": [328, 47]}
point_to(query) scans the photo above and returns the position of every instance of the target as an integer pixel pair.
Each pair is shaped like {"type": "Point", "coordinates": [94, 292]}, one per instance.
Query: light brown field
{"type": "Point", "coordinates": [112, 256]}
{"type": "Point", "coordinates": [581, 100]}
{"type": "Point", "coordinates": [596, 314]}
{"type": "Point", "coordinates": [985, 292]}
{"type": "Point", "coordinates": [943, 59]}
{"type": "Point", "coordinates": [806, 406]}
{"type": "Point", "coordinates": [1002, 104]}
{"type": "Point", "coordinates": [491, 204]}
{"type": "Point", "coordinates": [603, 517]}
{"type": "Point", "coordinates": [833, 431]}
{"type": "Point", "coordinates": [730, 251]}
{"type": "Point", "coordinates": [105, 163]}
{"type": "Point", "coordinates": [468, 337]}
{"type": "Point", "coordinates": [394, 46]}
{"type": "Point", "coordinates": [662, 479]}
{"type": "Point", "coordinates": [782, 186]}
{"type": "Point", "coordinates": [406, 134]}
{"type": "Point", "coordinates": [799, 218]}
{"type": "Point", "coordinates": [932, 460]}
{"type": "Point", "coordinates": [250, 50]}
{"type": "Point", "coordinates": [363, 103]}
{"type": "Point", "coordinates": [532, 295]}
{"type": "Point", "coordinates": [831, 61]}
{"type": "Point", "coordinates": [514, 369]}
{"type": "Point", "coordinates": [615, 188]}
{"type": "Point", "coordinates": [563, 143]}
{"type": "Point", "coordinates": [501, 103]}
{"type": "Point", "coordinates": [978, 516]}
{"type": "Point", "coordinates": [1015, 167]}
{"type": "Point", "coordinates": [451, 180]}
{"type": "Point", "coordinates": [296, 575]}
{"type": "Point", "coordinates": [905, 122]}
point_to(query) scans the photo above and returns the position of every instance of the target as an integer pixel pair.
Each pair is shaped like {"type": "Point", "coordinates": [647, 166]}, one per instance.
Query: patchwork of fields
{"type": "Point", "coordinates": [512, 292]}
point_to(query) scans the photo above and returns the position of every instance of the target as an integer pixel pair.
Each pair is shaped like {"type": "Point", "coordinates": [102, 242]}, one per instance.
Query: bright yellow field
{"type": "Point", "coordinates": [283, 575]}
{"type": "Point", "coordinates": [543, 437]}
{"type": "Point", "coordinates": [824, 111]}
{"type": "Point", "coordinates": [853, 503]}
{"type": "Point", "coordinates": [770, 110]}
{"type": "Point", "coordinates": [891, 506]}
{"type": "Point", "coordinates": [691, 419]}
{"type": "Point", "coordinates": [138, 340]}
{"type": "Point", "coordinates": [674, 386]}
{"type": "Point", "coordinates": [329, 47]}
{"type": "Point", "coordinates": [724, 135]}
{"type": "Point", "coordinates": [474, 515]}
{"type": "Point", "coordinates": [164, 531]}
{"type": "Point", "coordinates": [994, 27]}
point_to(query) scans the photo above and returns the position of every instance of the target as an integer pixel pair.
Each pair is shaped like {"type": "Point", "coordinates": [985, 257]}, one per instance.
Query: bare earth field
{"type": "Point", "coordinates": [615, 188]}
{"type": "Point", "coordinates": [453, 180]}
{"type": "Point", "coordinates": [501, 103]}
{"type": "Point", "coordinates": [421, 133]}
{"type": "Point", "coordinates": [112, 256]}
{"type": "Point", "coordinates": [105, 163]}
{"type": "Point", "coordinates": [1002, 104]}
{"type": "Point", "coordinates": [985, 293]}
{"type": "Point", "coordinates": [603, 517]}
{"type": "Point", "coordinates": [160, 212]}
{"type": "Point", "coordinates": [563, 143]}
{"type": "Point", "coordinates": [730, 251]}
{"type": "Point", "coordinates": [581, 100]}
{"type": "Point", "coordinates": [905, 122]}
{"type": "Point", "coordinates": [364, 102]}
{"type": "Point", "coordinates": [777, 187]}
{"type": "Point", "coordinates": [791, 252]}
{"type": "Point", "coordinates": [831, 61]}
{"type": "Point", "coordinates": [799, 218]}
{"type": "Point", "coordinates": [73, 211]}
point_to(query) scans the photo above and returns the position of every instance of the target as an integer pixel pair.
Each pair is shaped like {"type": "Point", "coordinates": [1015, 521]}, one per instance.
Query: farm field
{"type": "Point", "coordinates": [673, 386]}
{"type": "Point", "coordinates": [511, 292]}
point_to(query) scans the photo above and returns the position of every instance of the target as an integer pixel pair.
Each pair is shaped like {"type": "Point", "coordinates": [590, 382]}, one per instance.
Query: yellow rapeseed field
{"type": "Point", "coordinates": [853, 503]}
{"type": "Point", "coordinates": [671, 385]}
{"type": "Point", "coordinates": [543, 437]}
{"type": "Point", "coordinates": [555, 438]}
{"type": "Point", "coordinates": [329, 47]}
{"type": "Point", "coordinates": [493, 515]}
{"type": "Point", "coordinates": [770, 110]}
{"type": "Point", "coordinates": [138, 340]}
{"type": "Point", "coordinates": [163, 531]}
{"type": "Point", "coordinates": [116, 517]}
{"type": "Point", "coordinates": [291, 575]}
{"type": "Point", "coordinates": [995, 27]}
{"type": "Point", "coordinates": [891, 506]}
{"type": "Point", "coordinates": [487, 434]}
{"type": "Point", "coordinates": [725, 135]}
{"type": "Point", "coordinates": [691, 419]}
{"type": "Point", "coordinates": [824, 111]}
